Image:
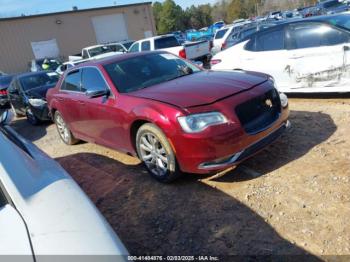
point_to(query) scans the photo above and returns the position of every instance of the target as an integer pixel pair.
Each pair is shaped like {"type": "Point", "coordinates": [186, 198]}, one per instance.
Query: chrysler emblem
{"type": "Point", "coordinates": [268, 102]}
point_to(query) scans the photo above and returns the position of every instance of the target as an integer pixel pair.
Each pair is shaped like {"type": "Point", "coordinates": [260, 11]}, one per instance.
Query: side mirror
{"type": "Point", "coordinates": [97, 93]}
{"type": "Point", "coordinates": [6, 117]}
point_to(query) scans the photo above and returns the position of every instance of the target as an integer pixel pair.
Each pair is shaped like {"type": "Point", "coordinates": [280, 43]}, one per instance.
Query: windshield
{"type": "Point", "coordinates": [147, 70]}
{"type": "Point", "coordinates": [128, 44]}
{"type": "Point", "coordinates": [38, 80]}
{"type": "Point", "coordinates": [99, 50]}
{"type": "Point", "coordinates": [166, 42]}
{"type": "Point", "coordinates": [5, 81]}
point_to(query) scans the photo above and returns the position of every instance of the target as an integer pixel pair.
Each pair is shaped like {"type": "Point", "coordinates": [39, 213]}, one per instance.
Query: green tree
{"type": "Point", "coordinates": [171, 17]}
{"type": "Point", "coordinates": [157, 9]}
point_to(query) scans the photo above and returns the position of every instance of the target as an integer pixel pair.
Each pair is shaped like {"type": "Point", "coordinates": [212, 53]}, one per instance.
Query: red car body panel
{"type": "Point", "coordinates": [109, 121]}
{"type": "Point", "coordinates": [196, 90]}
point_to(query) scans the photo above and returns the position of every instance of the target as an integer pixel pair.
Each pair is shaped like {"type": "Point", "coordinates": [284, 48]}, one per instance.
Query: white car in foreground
{"type": "Point", "coordinates": [304, 56]}
{"type": "Point", "coordinates": [44, 212]}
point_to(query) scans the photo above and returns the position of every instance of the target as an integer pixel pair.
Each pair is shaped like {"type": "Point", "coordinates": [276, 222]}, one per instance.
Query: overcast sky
{"type": "Point", "coordinates": [30, 7]}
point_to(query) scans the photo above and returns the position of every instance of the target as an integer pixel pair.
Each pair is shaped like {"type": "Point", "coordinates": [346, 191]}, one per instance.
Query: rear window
{"type": "Point", "coordinates": [166, 42]}
{"type": "Point", "coordinates": [38, 80]}
{"type": "Point", "coordinates": [220, 34]}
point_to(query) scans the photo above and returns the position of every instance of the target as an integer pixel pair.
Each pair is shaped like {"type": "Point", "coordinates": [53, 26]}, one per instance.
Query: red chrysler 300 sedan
{"type": "Point", "coordinates": [174, 116]}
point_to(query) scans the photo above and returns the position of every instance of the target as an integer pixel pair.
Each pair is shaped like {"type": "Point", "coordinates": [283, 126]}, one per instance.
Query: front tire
{"type": "Point", "coordinates": [63, 130]}
{"type": "Point", "coordinates": [156, 154]}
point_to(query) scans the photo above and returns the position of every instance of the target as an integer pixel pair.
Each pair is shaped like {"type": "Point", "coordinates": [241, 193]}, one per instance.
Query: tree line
{"type": "Point", "coordinates": [171, 17]}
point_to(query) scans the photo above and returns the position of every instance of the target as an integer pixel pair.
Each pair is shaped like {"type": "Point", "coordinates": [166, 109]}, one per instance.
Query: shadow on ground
{"type": "Point", "coordinates": [178, 219]}
{"type": "Point", "coordinates": [28, 131]}
{"type": "Point", "coordinates": [309, 129]}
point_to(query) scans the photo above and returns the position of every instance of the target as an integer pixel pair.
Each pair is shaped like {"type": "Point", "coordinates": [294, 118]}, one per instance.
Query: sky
{"type": "Point", "coordinates": [9, 8]}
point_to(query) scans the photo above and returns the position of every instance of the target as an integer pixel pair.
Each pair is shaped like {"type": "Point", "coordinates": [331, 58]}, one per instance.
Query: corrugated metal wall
{"type": "Point", "coordinates": [75, 32]}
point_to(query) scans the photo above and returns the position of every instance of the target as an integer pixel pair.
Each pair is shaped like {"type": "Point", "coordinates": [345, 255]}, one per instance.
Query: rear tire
{"type": "Point", "coordinates": [155, 152]}
{"type": "Point", "coordinates": [63, 130]}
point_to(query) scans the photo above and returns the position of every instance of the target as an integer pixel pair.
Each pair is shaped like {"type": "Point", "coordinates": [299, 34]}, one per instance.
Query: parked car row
{"type": "Point", "coordinates": [305, 55]}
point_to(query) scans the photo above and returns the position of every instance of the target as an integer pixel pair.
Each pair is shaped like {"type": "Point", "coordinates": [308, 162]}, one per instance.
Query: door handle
{"type": "Point", "coordinates": [82, 102]}
{"type": "Point", "coordinates": [60, 98]}
{"type": "Point", "coordinates": [346, 48]}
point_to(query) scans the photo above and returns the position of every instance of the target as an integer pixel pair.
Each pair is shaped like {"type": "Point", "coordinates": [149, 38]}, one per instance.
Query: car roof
{"type": "Point", "coordinates": [116, 58]}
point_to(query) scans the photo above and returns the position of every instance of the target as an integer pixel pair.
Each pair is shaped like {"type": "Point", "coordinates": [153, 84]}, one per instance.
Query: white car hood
{"type": "Point", "coordinates": [61, 220]}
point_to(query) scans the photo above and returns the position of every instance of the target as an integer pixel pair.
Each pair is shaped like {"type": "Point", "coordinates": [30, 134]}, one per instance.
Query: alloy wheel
{"type": "Point", "coordinates": [154, 154]}
{"type": "Point", "coordinates": [62, 128]}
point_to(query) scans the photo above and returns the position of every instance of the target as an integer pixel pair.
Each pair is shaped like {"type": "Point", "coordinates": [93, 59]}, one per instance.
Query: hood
{"type": "Point", "coordinates": [201, 88]}
{"type": "Point", "coordinates": [39, 92]}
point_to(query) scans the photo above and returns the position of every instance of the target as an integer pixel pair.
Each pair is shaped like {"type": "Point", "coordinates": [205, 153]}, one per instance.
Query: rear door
{"type": "Point", "coordinates": [266, 52]}
{"type": "Point", "coordinates": [14, 236]}
{"type": "Point", "coordinates": [318, 56]}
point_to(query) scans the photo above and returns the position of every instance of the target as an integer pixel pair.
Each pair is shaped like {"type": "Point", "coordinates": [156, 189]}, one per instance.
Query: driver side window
{"type": "Point", "coordinates": [92, 80]}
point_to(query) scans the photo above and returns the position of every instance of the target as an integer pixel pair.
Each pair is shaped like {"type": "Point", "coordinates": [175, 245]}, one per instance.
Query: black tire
{"type": "Point", "coordinates": [63, 131]}
{"type": "Point", "coordinates": [172, 170]}
{"type": "Point", "coordinates": [31, 118]}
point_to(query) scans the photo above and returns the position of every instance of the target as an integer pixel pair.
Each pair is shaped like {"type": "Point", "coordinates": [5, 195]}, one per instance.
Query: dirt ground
{"type": "Point", "coordinates": [292, 198]}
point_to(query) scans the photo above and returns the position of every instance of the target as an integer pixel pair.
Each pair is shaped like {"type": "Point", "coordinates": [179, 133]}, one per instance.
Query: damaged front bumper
{"type": "Point", "coordinates": [238, 157]}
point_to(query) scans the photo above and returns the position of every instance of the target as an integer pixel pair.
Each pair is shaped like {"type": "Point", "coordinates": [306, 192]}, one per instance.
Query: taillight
{"type": "Point", "coordinates": [3, 92]}
{"type": "Point", "coordinates": [182, 53]}
{"type": "Point", "coordinates": [215, 61]}
{"type": "Point", "coordinates": [223, 46]}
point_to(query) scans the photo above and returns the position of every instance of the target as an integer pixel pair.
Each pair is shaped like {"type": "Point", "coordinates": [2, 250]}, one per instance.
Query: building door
{"type": "Point", "coordinates": [110, 28]}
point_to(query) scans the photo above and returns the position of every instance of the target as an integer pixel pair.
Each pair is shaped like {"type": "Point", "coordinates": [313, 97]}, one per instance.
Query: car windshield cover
{"type": "Point", "coordinates": [143, 71]}
{"type": "Point", "coordinates": [99, 50]}
{"type": "Point", "coordinates": [38, 80]}
{"type": "Point", "coordinates": [166, 42]}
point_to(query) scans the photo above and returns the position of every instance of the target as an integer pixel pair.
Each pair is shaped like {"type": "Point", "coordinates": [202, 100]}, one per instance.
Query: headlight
{"type": "Point", "coordinates": [284, 100]}
{"type": "Point", "coordinates": [198, 122]}
{"type": "Point", "coordinates": [37, 102]}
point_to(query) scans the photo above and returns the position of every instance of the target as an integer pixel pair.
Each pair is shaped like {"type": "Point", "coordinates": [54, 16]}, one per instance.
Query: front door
{"type": "Point", "coordinates": [101, 121]}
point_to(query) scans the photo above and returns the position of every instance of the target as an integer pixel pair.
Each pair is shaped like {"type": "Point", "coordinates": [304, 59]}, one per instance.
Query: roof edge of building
{"type": "Point", "coordinates": [74, 11]}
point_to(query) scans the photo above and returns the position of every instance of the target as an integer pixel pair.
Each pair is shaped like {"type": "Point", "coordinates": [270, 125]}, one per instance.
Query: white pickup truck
{"type": "Point", "coordinates": [94, 52]}
{"type": "Point", "coordinates": [196, 51]}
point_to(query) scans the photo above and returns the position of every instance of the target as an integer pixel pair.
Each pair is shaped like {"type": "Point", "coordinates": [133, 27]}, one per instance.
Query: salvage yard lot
{"type": "Point", "coordinates": [291, 198]}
